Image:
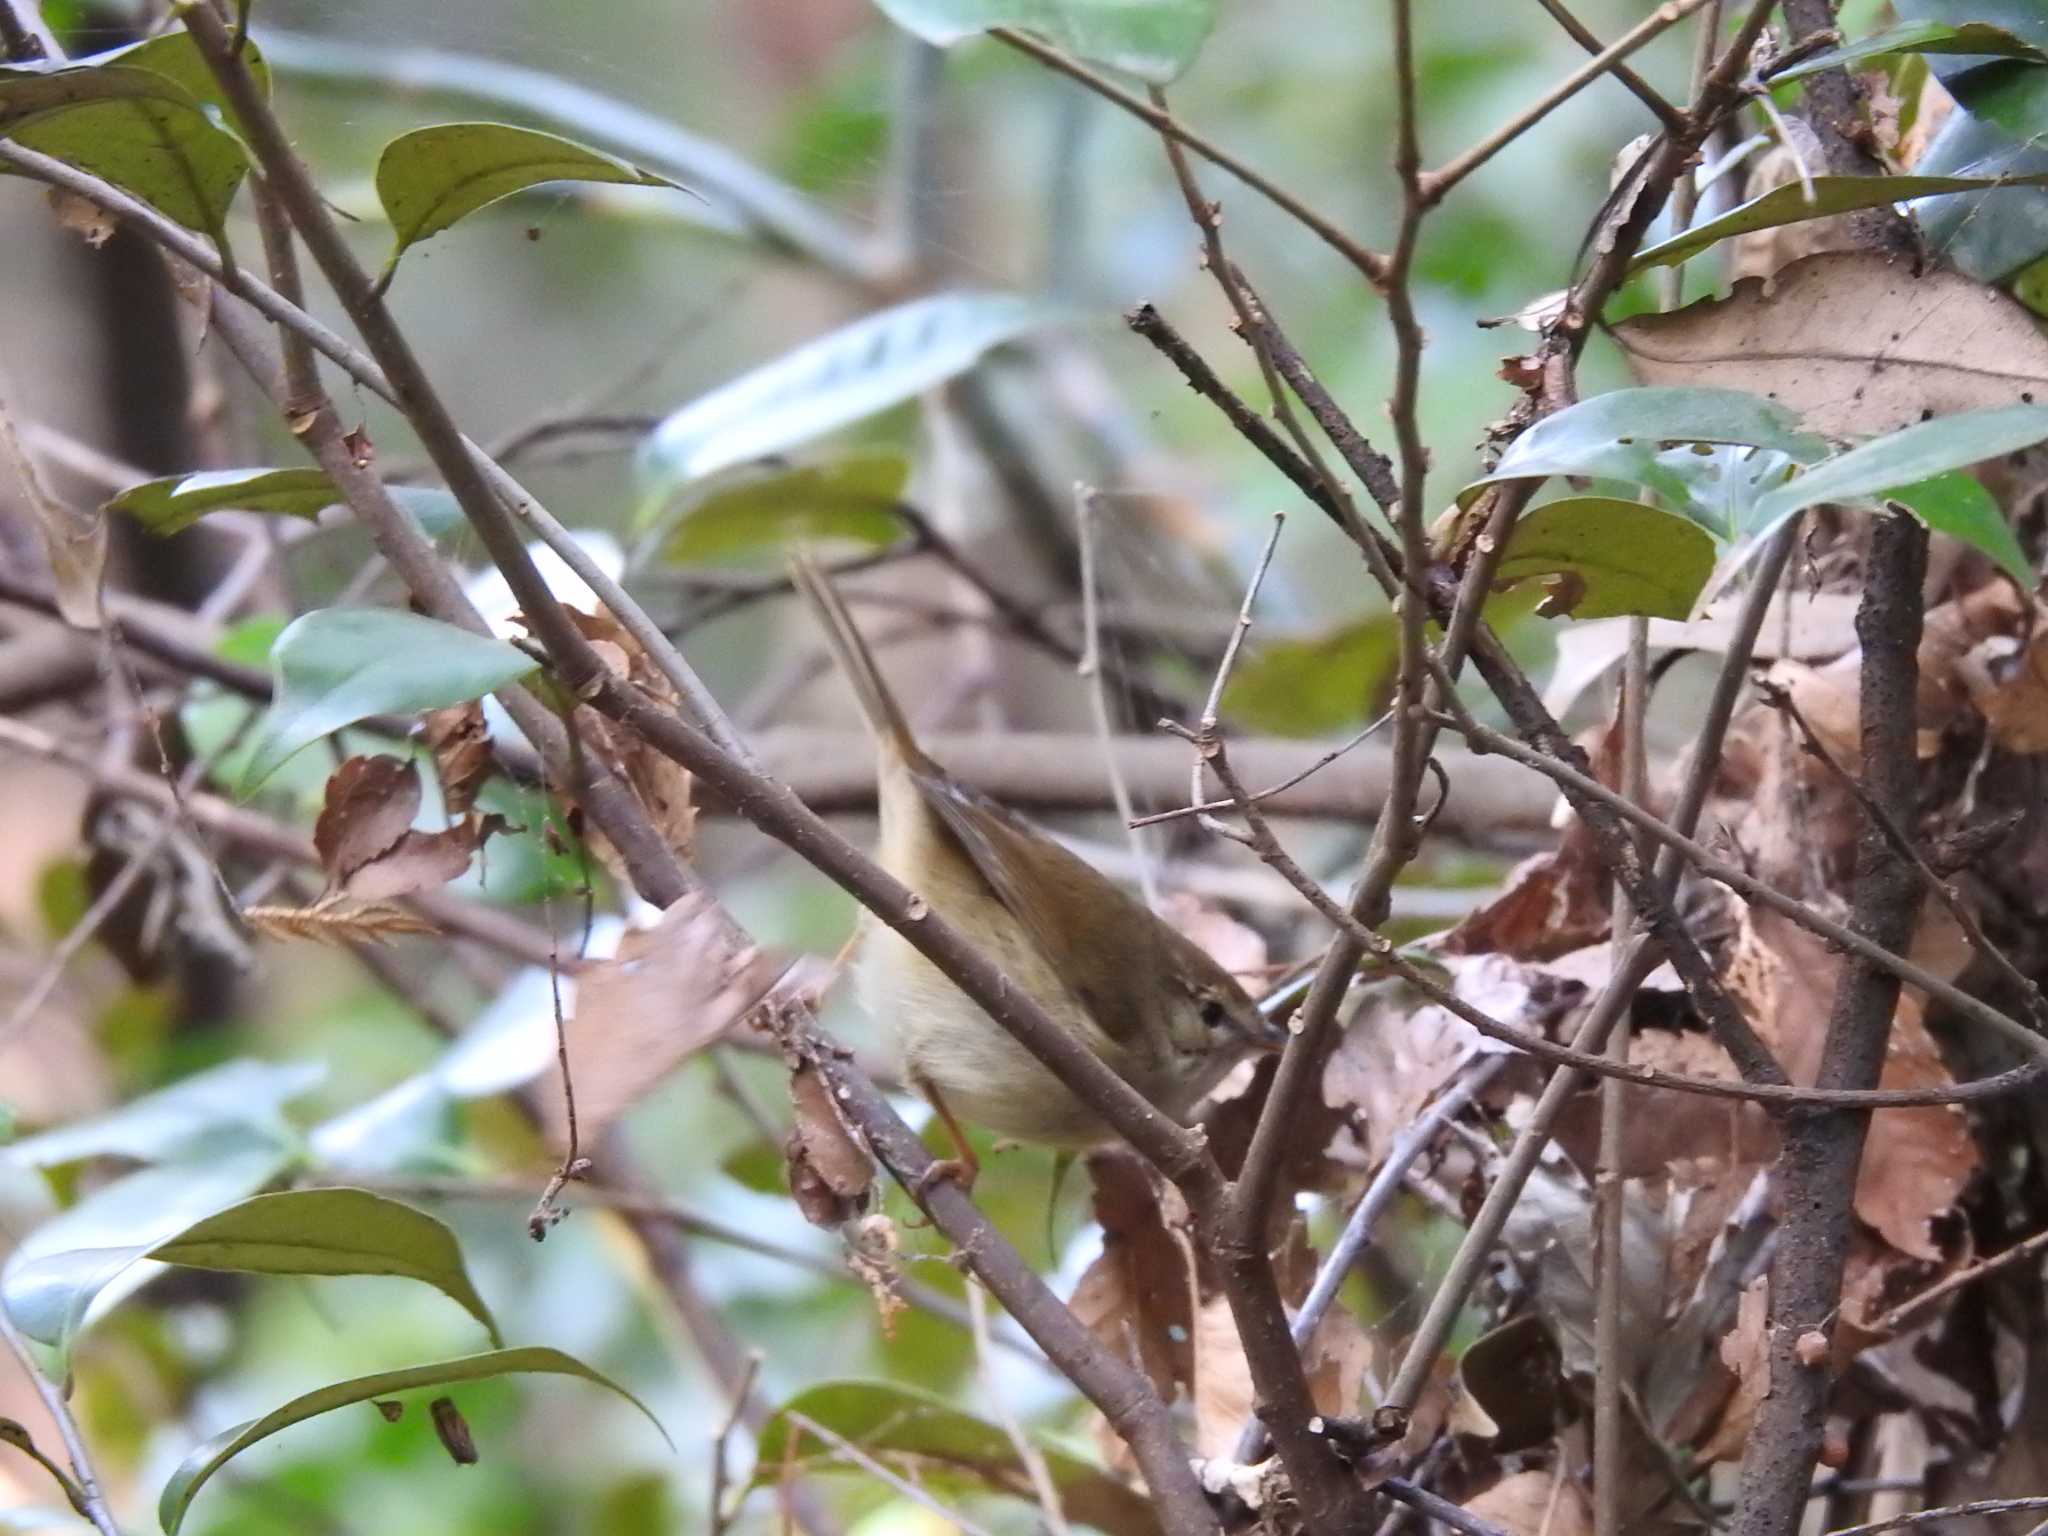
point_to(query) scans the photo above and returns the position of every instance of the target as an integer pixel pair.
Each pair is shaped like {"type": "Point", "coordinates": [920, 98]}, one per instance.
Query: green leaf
{"type": "Point", "coordinates": [926, 1438]}
{"type": "Point", "coordinates": [1314, 685]}
{"type": "Point", "coordinates": [147, 118]}
{"type": "Point", "coordinates": [335, 666]}
{"type": "Point", "coordinates": [1955, 504]}
{"type": "Point", "coordinates": [852, 499]}
{"type": "Point", "coordinates": [176, 502]}
{"type": "Point", "coordinates": [1831, 195]}
{"type": "Point", "coordinates": [1624, 557]}
{"type": "Point", "coordinates": [1153, 39]}
{"type": "Point", "coordinates": [1620, 436]}
{"type": "Point", "coordinates": [1905, 458]}
{"type": "Point", "coordinates": [836, 380]}
{"type": "Point", "coordinates": [78, 1266]}
{"type": "Point", "coordinates": [1971, 37]}
{"type": "Point", "coordinates": [244, 1094]}
{"type": "Point", "coordinates": [330, 1232]}
{"type": "Point", "coordinates": [432, 177]}
{"type": "Point", "coordinates": [210, 1456]}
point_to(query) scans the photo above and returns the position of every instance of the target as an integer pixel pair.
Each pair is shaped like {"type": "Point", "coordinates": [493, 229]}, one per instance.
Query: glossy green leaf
{"type": "Point", "coordinates": [242, 1094]}
{"type": "Point", "coordinates": [335, 666]}
{"type": "Point", "coordinates": [1618, 557]}
{"type": "Point", "coordinates": [210, 1456]}
{"type": "Point", "coordinates": [330, 1232]}
{"type": "Point", "coordinates": [1789, 204]}
{"type": "Point", "coordinates": [1969, 37]}
{"type": "Point", "coordinates": [1620, 436]}
{"type": "Point", "coordinates": [79, 1265]}
{"type": "Point", "coordinates": [432, 177]}
{"type": "Point", "coordinates": [1955, 504]}
{"type": "Point", "coordinates": [929, 1439]}
{"type": "Point", "coordinates": [836, 380]}
{"type": "Point", "coordinates": [1314, 685]}
{"type": "Point", "coordinates": [176, 502]}
{"type": "Point", "coordinates": [1153, 39]}
{"type": "Point", "coordinates": [852, 499]}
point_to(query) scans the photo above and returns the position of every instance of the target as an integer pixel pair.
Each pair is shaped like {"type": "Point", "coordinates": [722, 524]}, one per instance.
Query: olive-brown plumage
{"type": "Point", "coordinates": [1151, 1004]}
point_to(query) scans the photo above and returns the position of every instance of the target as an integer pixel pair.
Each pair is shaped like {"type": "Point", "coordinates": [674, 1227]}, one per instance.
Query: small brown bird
{"type": "Point", "coordinates": [1165, 1016]}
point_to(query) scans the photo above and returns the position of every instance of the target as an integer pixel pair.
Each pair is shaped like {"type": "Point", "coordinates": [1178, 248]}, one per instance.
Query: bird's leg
{"type": "Point", "coordinates": [964, 1167]}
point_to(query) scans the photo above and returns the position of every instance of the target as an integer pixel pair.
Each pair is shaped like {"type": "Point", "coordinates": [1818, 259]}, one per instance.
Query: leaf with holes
{"type": "Point", "coordinates": [1153, 39]}
{"type": "Point", "coordinates": [1622, 436]}
{"type": "Point", "coordinates": [1614, 557]}
{"type": "Point", "coordinates": [432, 177]}
{"type": "Point", "coordinates": [944, 1448]}
{"type": "Point", "coordinates": [853, 499]}
{"type": "Point", "coordinates": [335, 666]}
{"type": "Point", "coordinates": [835, 381]}
{"type": "Point", "coordinates": [330, 1232]}
{"type": "Point", "coordinates": [211, 1455]}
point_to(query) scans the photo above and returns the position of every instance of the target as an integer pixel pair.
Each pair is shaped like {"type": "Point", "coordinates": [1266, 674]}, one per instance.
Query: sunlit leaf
{"type": "Point", "coordinates": [927, 1438]}
{"type": "Point", "coordinates": [335, 666]}
{"type": "Point", "coordinates": [148, 118]}
{"type": "Point", "coordinates": [1313, 685]}
{"type": "Point", "coordinates": [78, 1266]}
{"type": "Point", "coordinates": [432, 177]}
{"type": "Point", "coordinates": [330, 1232]}
{"type": "Point", "coordinates": [853, 499]}
{"type": "Point", "coordinates": [237, 1094]}
{"type": "Point", "coordinates": [836, 380]}
{"type": "Point", "coordinates": [178, 501]}
{"type": "Point", "coordinates": [1620, 436]}
{"type": "Point", "coordinates": [1620, 557]}
{"type": "Point", "coordinates": [1153, 39]}
{"type": "Point", "coordinates": [209, 1457]}
{"type": "Point", "coordinates": [1790, 204]}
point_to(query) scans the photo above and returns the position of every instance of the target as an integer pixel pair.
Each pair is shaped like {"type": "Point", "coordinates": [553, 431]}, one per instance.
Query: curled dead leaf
{"type": "Point", "coordinates": [84, 218]}
{"type": "Point", "coordinates": [1534, 1504]}
{"type": "Point", "coordinates": [830, 1174]}
{"type": "Point", "coordinates": [1139, 1296]}
{"type": "Point", "coordinates": [461, 745]}
{"type": "Point", "coordinates": [366, 840]}
{"type": "Point", "coordinates": [664, 787]}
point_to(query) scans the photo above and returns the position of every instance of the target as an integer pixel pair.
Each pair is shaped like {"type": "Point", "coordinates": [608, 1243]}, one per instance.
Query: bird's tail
{"type": "Point", "coordinates": [877, 704]}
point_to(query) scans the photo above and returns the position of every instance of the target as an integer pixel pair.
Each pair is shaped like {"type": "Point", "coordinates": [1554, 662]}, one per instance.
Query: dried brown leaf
{"type": "Point", "coordinates": [1856, 345]}
{"type": "Point", "coordinates": [1745, 1353]}
{"type": "Point", "coordinates": [1138, 1296]}
{"type": "Point", "coordinates": [422, 861]}
{"type": "Point", "coordinates": [462, 752]}
{"type": "Point", "coordinates": [670, 991]}
{"type": "Point", "coordinates": [1761, 252]}
{"type": "Point", "coordinates": [1534, 1504]}
{"type": "Point", "coordinates": [665, 788]}
{"type": "Point", "coordinates": [85, 218]}
{"type": "Point", "coordinates": [369, 805]}
{"type": "Point", "coordinates": [830, 1174]}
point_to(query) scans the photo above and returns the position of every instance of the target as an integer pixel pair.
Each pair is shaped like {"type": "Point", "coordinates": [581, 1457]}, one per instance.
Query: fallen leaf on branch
{"type": "Point", "coordinates": [664, 787]}
{"type": "Point", "coordinates": [830, 1174]}
{"type": "Point", "coordinates": [670, 991]}
{"type": "Point", "coordinates": [1854, 343]}
{"type": "Point", "coordinates": [1745, 1354]}
{"type": "Point", "coordinates": [83, 217]}
{"type": "Point", "coordinates": [366, 840]}
{"type": "Point", "coordinates": [462, 752]}
{"type": "Point", "coordinates": [1139, 1296]}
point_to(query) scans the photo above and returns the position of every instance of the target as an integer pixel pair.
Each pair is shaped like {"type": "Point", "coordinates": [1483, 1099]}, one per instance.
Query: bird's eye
{"type": "Point", "coordinates": [1214, 1014]}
